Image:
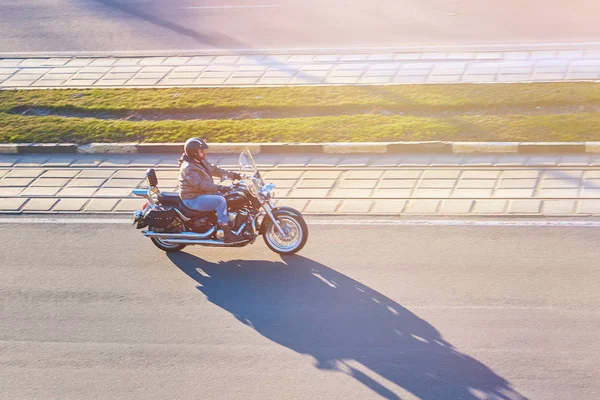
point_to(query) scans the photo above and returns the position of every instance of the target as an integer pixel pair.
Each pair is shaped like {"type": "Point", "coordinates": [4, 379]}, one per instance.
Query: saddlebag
{"type": "Point", "coordinates": [160, 217]}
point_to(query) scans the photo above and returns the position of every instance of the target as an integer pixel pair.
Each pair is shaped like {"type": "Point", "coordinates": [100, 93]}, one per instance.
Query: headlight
{"type": "Point", "coordinates": [267, 190]}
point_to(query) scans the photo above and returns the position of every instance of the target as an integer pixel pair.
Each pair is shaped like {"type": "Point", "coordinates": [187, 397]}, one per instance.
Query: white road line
{"type": "Point", "coordinates": [503, 223]}
{"type": "Point", "coordinates": [230, 7]}
{"type": "Point", "coordinates": [477, 223]}
{"type": "Point", "coordinates": [106, 221]}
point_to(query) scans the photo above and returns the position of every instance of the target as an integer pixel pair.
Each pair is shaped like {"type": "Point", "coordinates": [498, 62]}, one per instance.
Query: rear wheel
{"type": "Point", "coordinates": [296, 234]}
{"type": "Point", "coordinates": [169, 248]}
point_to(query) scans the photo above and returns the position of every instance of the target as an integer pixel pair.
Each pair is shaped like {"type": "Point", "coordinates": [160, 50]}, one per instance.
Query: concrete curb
{"type": "Point", "coordinates": [313, 148]}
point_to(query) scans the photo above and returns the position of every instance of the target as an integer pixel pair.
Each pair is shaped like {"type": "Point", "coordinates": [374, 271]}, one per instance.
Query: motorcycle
{"type": "Point", "coordinates": [172, 226]}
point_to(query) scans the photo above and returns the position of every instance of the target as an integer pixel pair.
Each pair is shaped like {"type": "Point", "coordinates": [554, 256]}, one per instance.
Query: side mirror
{"type": "Point", "coordinates": [151, 177]}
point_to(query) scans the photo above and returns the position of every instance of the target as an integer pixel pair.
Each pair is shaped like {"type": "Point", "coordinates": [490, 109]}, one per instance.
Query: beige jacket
{"type": "Point", "coordinates": [195, 178]}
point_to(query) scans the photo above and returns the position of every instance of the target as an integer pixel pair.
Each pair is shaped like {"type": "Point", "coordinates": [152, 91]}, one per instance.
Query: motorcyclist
{"type": "Point", "coordinates": [197, 189]}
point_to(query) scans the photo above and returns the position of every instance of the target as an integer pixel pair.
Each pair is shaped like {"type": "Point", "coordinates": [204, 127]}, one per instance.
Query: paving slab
{"type": "Point", "coordinates": [97, 173]}
{"type": "Point", "coordinates": [558, 207]}
{"type": "Point", "coordinates": [52, 182]}
{"type": "Point", "coordinates": [364, 174]}
{"type": "Point", "coordinates": [432, 193]}
{"type": "Point", "coordinates": [356, 206]}
{"type": "Point", "coordinates": [441, 174]}
{"type": "Point", "coordinates": [61, 173]}
{"type": "Point", "coordinates": [284, 175]}
{"type": "Point", "coordinates": [130, 204]}
{"type": "Point", "coordinates": [11, 204]}
{"type": "Point", "coordinates": [77, 191]}
{"type": "Point", "coordinates": [351, 193]}
{"type": "Point", "coordinates": [11, 191]}
{"type": "Point", "coordinates": [521, 174]}
{"type": "Point", "coordinates": [323, 175]}
{"type": "Point", "coordinates": [476, 183]}
{"type": "Point", "coordinates": [70, 205]}
{"type": "Point", "coordinates": [388, 206]}
{"type": "Point", "coordinates": [397, 184]}
{"type": "Point", "coordinates": [24, 173]}
{"type": "Point", "coordinates": [589, 207]}
{"type": "Point", "coordinates": [113, 192]}
{"type": "Point", "coordinates": [86, 182]}
{"type": "Point", "coordinates": [307, 184]}
{"type": "Point", "coordinates": [126, 183]}
{"type": "Point", "coordinates": [402, 174]}
{"type": "Point", "coordinates": [39, 191]}
{"type": "Point", "coordinates": [456, 207]}
{"type": "Point", "coordinates": [423, 207]}
{"type": "Point", "coordinates": [490, 206]}
{"type": "Point", "coordinates": [40, 204]}
{"type": "Point", "coordinates": [513, 193]}
{"type": "Point", "coordinates": [557, 193]}
{"type": "Point", "coordinates": [101, 205]}
{"type": "Point", "coordinates": [322, 206]}
{"type": "Point", "coordinates": [12, 182]}
{"type": "Point", "coordinates": [436, 184]}
{"type": "Point", "coordinates": [525, 206]}
{"type": "Point", "coordinates": [358, 184]}
{"type": "Point", "coordinates": [472, 193]}
{"type": "Point", "coordinates": [479, 175]}
{"type": "Point", "coordinates": [297, 204]}
{"type": "Point", "coordinates": [590, 193]}
{"type": "Point", "coordinates": [392, 193]}
{"type": "Point", "coordinates": [517, 184]}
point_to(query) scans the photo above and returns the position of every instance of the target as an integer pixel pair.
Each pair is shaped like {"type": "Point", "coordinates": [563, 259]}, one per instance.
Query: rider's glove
{"type": "Point", "coordinates": [236, 176]}
{"type": "Point", "coordinates": [223, 189]}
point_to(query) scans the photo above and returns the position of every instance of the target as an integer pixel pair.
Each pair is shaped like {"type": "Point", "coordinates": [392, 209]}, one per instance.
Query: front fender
{"type": "Point", "coordinates": [279, 211]}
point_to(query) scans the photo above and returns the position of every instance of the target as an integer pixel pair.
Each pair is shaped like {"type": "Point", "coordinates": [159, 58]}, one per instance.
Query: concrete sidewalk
{"type": "Point", "coordinates": [334, 69]}
{"type": "Point", "coordinates": [449, 185]}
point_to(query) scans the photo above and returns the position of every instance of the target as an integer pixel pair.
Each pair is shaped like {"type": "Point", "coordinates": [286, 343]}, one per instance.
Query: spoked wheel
{"type": "Point", "coordinates": [294, 238]}
{"type": "Point", "coordinates": [169, 248]}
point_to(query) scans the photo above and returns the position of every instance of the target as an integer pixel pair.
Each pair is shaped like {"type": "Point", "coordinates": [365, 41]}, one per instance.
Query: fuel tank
{"type": "Point", "coordinates": [237, 199]}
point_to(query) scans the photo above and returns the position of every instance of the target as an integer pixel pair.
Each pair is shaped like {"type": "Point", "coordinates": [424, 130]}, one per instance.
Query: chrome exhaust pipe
{"type": "Point", "coordinates": [214, 243]}
{"type": "Point", "coordinates": [181, 236]}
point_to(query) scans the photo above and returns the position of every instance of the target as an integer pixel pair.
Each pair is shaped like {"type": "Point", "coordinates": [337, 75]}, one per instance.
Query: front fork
{"type": "Point", "coordinates": [268, 207]}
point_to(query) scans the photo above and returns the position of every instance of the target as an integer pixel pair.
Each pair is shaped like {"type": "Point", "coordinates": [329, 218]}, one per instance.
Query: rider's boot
{"type": "Point", "coordinates": [229, 236]}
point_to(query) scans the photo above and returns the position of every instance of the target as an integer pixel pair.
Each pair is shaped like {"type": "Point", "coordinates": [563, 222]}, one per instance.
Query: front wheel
{"type": "Point", "coordinates": [296, 234]}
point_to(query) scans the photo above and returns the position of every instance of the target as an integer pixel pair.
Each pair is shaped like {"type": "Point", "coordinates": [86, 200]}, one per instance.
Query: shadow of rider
{"type": "Point", "coordinates": [315, 310]}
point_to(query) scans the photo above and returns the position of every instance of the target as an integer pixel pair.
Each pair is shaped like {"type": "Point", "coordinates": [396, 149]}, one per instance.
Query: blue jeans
{"type": "Point", "coordinates": [209, 202]}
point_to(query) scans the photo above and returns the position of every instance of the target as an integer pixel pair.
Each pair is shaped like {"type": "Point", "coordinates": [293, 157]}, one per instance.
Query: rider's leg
{"type": "Point", "coordinates": [208, 202]}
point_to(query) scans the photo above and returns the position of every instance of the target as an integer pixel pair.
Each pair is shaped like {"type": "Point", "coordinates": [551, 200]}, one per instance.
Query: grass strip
{"type": "Point", "coordinates": [361, 128]}
{"type": "Point", "coordinates": [516, 123]}
{"type": "Point", "coordinates": [410, 96]}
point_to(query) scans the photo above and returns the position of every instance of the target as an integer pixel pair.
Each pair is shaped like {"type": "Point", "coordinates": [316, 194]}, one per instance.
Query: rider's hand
{"type": "Point", "coordinates": [223, 189]}
{"type": "Point", "coordinates": [236, 176]}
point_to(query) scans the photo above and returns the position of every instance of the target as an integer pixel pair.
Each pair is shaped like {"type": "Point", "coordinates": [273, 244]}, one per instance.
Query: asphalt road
{"type": "Point", "coordinates": [144, 25]}
{"type": "Point", "coordinates": [95, 311]}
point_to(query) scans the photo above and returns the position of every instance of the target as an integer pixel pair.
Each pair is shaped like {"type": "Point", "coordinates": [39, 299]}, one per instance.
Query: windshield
{"type": "Point", "coordinates": [247, 164]}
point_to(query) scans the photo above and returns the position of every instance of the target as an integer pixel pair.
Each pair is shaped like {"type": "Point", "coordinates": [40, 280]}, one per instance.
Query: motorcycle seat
{"type": "Point", "coordinates": [173, 199]}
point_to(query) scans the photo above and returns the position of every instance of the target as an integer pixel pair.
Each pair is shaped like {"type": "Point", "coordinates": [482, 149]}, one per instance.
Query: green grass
{"type": "Point", "coordinates": [411, 96]}
{"type": "Point", "coordinates": [520, 119]}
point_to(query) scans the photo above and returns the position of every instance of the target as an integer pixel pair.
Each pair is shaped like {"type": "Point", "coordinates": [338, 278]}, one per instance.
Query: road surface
{"type": "Point", "coordinates": [157, 25]}
{"type": "Point", "coordinates": [95, 311]}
